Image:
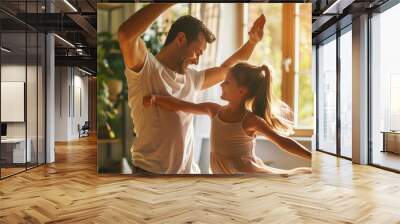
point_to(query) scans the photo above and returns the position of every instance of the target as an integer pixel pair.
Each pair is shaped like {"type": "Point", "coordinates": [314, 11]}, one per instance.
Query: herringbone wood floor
{"type": "Point", "coordinates": [70, 191]}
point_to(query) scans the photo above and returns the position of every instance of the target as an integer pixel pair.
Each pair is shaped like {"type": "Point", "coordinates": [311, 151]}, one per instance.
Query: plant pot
{"type": "Point", "coordinates": [103, 133]}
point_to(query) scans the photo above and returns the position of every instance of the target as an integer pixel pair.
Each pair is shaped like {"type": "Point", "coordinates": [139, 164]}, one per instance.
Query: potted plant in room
{"type": "Point", "coordinates": [152, 38]}
{"type": "Point", "coordinates": [110, 85]}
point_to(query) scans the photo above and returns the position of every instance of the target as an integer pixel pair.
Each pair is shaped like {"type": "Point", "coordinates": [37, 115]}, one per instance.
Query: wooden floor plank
{"type": "Point", "coordinates": [70, 191]}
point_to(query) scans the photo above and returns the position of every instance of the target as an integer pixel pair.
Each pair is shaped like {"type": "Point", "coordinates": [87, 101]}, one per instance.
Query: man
{"type": "Point", "coordinates": [164, 142]}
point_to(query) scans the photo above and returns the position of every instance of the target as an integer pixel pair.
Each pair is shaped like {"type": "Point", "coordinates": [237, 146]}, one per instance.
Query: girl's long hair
{"type": "Point", "coordinates": [260, 99]}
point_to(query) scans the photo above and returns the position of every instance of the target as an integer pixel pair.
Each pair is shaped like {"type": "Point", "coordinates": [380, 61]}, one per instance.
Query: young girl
{"type": "Point", "coordinates": [248, 90]}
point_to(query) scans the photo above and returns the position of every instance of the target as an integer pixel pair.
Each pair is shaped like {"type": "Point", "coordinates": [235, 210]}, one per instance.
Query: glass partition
{"type": "Point", "coordinates": [22, 88]}
{"type": "Point", "coordinates": [346, 93]}
{"type": "Point", "coordinates": [327, 96]}
{"type": "Point", "coordinates": [14, 151]}
{"type": "Point", "coordinates": [31, 97]}
{"type": "Point", "coordinates": [385, 89]}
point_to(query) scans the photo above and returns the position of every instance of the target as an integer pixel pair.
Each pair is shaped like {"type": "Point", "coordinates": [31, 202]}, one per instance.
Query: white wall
{"type": "Point", "coordinates": [81, 82]}
{"type": "Point", "coordinates": [70, 83]}
{"type": "Point", "coordinates": [61, 103]}
{"type": "Point", "coordinates": [275, 157]}
{"type": "Point", "coordinates": [268, 152]}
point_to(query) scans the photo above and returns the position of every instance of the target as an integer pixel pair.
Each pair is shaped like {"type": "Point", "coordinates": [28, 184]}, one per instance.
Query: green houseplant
{"type": "Point", "coordinates": [110, 69]}
{"type": "Point", "coordinates": [111, 82]}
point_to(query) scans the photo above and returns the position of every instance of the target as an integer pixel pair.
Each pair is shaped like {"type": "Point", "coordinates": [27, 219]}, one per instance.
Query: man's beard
{"type": "Point", "coordinates": [184, 66]}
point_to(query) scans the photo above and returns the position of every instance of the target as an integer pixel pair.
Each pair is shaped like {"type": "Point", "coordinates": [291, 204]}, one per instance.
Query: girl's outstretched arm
{"type": "Point", "coordinates": [175, 104]}
{"type": "Point", "coordinates": [258, 125]}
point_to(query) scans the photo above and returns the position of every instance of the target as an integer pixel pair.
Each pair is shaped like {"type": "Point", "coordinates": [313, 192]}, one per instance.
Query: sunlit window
{"type": "Point", "coordinates": [304, 98]}
{"type": "Point", "coordinates": [289, 56]}
{"type": "Point", "coordinates": [268, 51]}
{"type": "Point", "coordinates": [346, 94]}
{"type": "Point", "coordinates": [327, 96]}
{"type": "Point", "coordinates": [385, 88]}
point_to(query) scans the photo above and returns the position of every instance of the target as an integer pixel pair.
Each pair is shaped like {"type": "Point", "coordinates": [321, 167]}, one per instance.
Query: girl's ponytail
{"type": "Point", "coordinates": [258, 81]}
{"type": "Point", "coordinates": [273, 119]}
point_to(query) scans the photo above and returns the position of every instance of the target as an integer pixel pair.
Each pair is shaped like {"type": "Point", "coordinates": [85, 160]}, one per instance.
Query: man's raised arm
{"type": "Point", "coordinates": [132, 46]}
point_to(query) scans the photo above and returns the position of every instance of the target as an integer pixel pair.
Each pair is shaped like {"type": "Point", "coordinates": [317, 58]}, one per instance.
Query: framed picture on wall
{"type": "Point", "coordinates": [144, 127]}
{"type": "Point", "coordinates": [12, 101]}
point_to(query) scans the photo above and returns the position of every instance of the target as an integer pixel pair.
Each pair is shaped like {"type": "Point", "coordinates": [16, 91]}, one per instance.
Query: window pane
{"type": "Point", "coordinates": [385, 89]}
{"type": "Point", "coordinates": [306, 103]}
{"type": "Point", "coordinates": [327, 97]}
{"type": "Point", "coordinates": [269, 51]}
{"type": "Point", "coordinates": [345, 94]}
{"type": "Point", "coordinates": [304, 93]}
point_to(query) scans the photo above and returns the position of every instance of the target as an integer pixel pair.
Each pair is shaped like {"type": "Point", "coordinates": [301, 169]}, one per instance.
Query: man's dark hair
{"type": "Point", "coordinates": [191, 27]}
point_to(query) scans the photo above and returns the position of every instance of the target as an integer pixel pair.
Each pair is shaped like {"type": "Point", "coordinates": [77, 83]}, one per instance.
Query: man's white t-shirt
{"type": "Point", "coordinates": [164, 139]}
